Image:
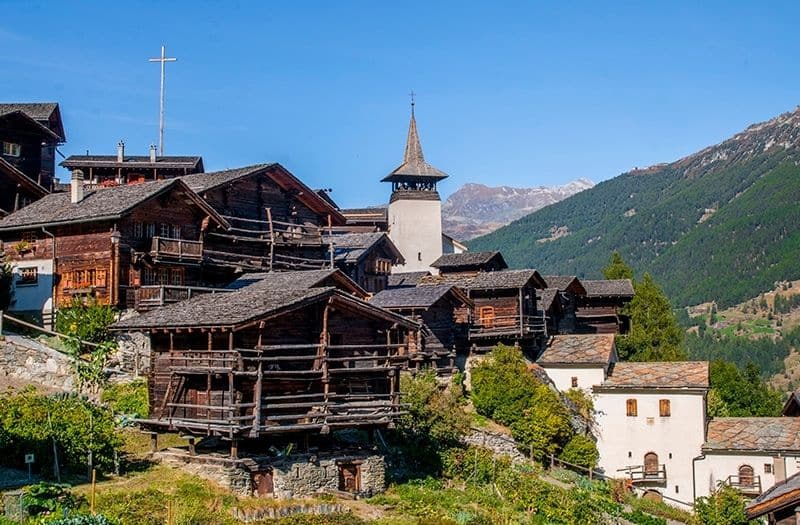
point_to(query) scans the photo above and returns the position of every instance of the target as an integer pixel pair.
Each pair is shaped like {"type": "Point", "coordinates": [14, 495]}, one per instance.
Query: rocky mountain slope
{"type": "Point", "coordinates": [722, 224]}
{"type": "Point", "coordinates": [475, 209]}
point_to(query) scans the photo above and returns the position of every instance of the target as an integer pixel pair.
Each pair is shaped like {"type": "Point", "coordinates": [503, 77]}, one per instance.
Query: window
{"type": "Point", "coordinates": [29, 237]}
{"type": "Point", "coordinates": [176, 277]}
{"type": "Point", "coordinates": [151, 229]}
{"type": "Point", "coordinates": [138, 230]}
{"type": "Point", "coordinates": [149, 277]}
{"type": "Point", "coordinates": [663, 408]}
{"type": "Point", "coordinates": [28, 276]}
{"type": "Point", "coordinates": [165, 230]}
{"type": "Point", "coordinates": [767, 468]}
{"type": "Point", "coordinates": [176, 231]}
{"type": "Point", "coordinates": [631, 408]}
{"type": "Point", "coordinates": [10, 149]}
{"type": "Point", "coordinates": [574, 382]}
{"type": "Point", "coordinates": [746, 476]}
{"type": "Point", "coordinates": [419, 256]}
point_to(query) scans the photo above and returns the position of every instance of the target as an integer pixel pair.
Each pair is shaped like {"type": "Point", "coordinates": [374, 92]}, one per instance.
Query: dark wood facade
{"type": "Point", "coordinates": [602, 309]}
{"type": "Point", "coordinates": [367, 258]}
{"type": "Point", "coordinates": [29, 135]}
{"type": "Point", "coordinates": [273, 362]}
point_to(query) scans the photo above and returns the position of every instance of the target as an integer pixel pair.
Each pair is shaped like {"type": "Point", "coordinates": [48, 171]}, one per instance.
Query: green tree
{"type": "Point", "coordinates": [655, 334]}
{"type": "Point", "coordinates": [581, 450]}
{"type": "Point", "coordinates": [742, 393]}
{"type": "Point", "coordinates": [502, 386]}
{"type": "Point", "coordinates": [723, 507]}
{"type": "Point", "coordinates": [617, 268]}
{"type": "Point", "coordinates": [544, 427]}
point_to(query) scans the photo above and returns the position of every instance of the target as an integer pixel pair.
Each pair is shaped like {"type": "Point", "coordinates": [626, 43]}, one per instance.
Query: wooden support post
{"type": "Point", "coordinates": [153, 442]}
{"type": "Point", "coordinates": [192, 451]}
{"type": "Point", "coordinates": [330, 240]}
{"type": "Point", "coordinates": [521, 318]}
{"type": "Point", "coordinates": [322, 353]}
{"type": "Point", "coordinates": [235, 449]}
{"type": "Point", "coordinates": [271, 238]}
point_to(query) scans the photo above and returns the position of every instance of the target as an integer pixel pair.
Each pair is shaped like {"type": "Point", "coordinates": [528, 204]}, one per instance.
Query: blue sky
{"type": "Point", "coordinates": [514, 93]}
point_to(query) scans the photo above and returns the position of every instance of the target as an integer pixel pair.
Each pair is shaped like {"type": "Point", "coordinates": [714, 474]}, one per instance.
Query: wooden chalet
{"type": "Point", "coordinates": [364, 220]}
{"type": "Point", "coordinates": [29, 136]}
{"type": "Point", "coordinates": [406, 279]}
{"type": "Point", "coordinates": [791, 408]}
{"type": "Point", "coordinates": [600, 310]}
{"type": "Point", "coordinates": [17, 190]}
{"type": "Point", "coordinates": [559, 302]}
{"type": "Point", "coordinates": [119, 246]}
{"type": "Point", "coordinates": [505, 306]}
{"type": "Point", "coordinates": [303, 280]}
{"type": "Point", "coordinates": [367, 258]}
{"type": "Point", "coordinates": [102, 171]}
{"type": "Point", "coordinates": [443, 312]}
{"type": "Point", "coordinates": [470, 263]}
{"type": "Point", "coordinates": [778, 505]}
{"type": "Point", "coordinates": [277, 222]}
{"type": "Point", "coordinates": [269, 361]}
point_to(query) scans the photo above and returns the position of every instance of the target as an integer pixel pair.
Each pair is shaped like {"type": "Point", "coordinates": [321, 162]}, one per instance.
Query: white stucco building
{"type": "Point", "coordinates": [651, 420]}
{"type": "Point", "coordinates": [415, 209]}
{"type": "Point", "coordinates": [32, 286]}
{"type": "Point", "coordinates": [578, 361]}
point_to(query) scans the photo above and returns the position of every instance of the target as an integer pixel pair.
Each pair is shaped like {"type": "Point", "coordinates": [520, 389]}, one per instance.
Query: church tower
{"type": "Point", "coordinates": [415, 209]}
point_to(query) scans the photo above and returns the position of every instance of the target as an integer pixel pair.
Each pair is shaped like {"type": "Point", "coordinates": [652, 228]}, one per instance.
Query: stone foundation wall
{"type": "Point", "coordinates": [500, 444]}
{"type": "Point", "coordinates": [296, 476]}
{"type": "Point", "coordinates": [28, 360]}
{"type": "Point", "coordinates": [133, 354]}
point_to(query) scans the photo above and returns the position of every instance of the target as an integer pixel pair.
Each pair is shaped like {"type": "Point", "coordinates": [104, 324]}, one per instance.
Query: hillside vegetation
{"type": "Point", "coordinates": [721, 224]}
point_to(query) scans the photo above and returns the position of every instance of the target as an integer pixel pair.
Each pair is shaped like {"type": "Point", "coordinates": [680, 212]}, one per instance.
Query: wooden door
{"type": "Point", "coordinates": [746, 476]}
{"type": "Point", "coordinates": [349, 477]}
{"type": "Point", "coordinates": [651, 464]}
{"type": "Point", "coordinates": [262, 483]}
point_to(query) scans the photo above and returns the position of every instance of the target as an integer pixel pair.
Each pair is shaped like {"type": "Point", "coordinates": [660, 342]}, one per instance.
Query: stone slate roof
{"type": "Point", "coordinates": [419, 297]}
{"type": "Point", "coordinates": [452, 261]}
{"type": "Point", "coordinates": [414, 165]}
{"type": "Point", "coordinates": [564, 282]}
{"type": "Point", "coordinates": [201, 182]}
{"type": "Point", "coordinates": [352, 247]}
{"type": "Point", "coordinates": [41, 112]}
{"type": "Point", "coordinates": [106, 204]}
{"type": "Point", "coordinates": [259, 300]}
{"type": "Point", "coordinates": [781, 495]}
{"type": "Point", "coordinates": [608, 288]}
{"type": "Point", "coordinates": [578, 349]}
{"type": "Point", "coordinates": [133, 161]}
{"type": "Point", "coordinates": [499, 280]}
{"type": "Point", "coordinates": [547, 297]}
{"type": "Point", "coordinates": [404, 279]}
{"type": "Point", "coordinates": [676, 374]}
{"type": "Point", "coordinates": [300, 279]}
{"type": "Point", "coordinates": [754, 434]}
{"type": "Point", "coordinates": [372, 212]}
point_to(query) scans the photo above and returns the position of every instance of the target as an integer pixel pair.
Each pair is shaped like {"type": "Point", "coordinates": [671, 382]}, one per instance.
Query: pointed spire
{"type": "Point", "coordinates": [414, 165]}
{"type": "Point", "coordinates": [413, 152]}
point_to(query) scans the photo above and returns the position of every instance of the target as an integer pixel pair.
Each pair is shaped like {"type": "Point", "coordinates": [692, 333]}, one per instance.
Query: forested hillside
{"type": "Point", "coordinates": [722, 224]}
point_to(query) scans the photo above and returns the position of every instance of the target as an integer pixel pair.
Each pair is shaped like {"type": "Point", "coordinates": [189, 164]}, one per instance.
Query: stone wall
{"type": "Point", "coordinates": [133, 354]}
{"type": "Point", "coordinates": [295, 476]}
{"type": "Point", "coordinates": [27, 360]}
{"type": "Point", "coordinates": [500, 444]}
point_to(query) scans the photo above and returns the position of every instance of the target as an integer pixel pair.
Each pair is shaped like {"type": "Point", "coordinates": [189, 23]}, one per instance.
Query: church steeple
{"type": "Point", "coordinates": [414, 173]}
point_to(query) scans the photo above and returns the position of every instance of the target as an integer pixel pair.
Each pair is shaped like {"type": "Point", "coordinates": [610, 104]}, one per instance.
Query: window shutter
{"type": "Point", "coordinates": [631, 407]}
{"type": "Point", "coordinates": [664, 408]}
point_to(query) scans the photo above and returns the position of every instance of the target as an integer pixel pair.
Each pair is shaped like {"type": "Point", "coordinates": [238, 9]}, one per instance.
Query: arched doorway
{"type": "Point", "coordinates": [650, 464]}
{"type": "Point", "coordinates": [746, 476]}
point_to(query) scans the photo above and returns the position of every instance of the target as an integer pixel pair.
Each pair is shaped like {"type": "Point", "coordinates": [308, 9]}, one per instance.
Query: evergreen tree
{"type": "Point", "coordinates": [617, 268]}
{"type": "Point", "coordinates": [655, 334]}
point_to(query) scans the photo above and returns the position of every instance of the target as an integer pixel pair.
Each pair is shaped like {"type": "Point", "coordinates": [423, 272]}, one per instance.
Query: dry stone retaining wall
{"type": "Point", "coordinates": [28, 360]}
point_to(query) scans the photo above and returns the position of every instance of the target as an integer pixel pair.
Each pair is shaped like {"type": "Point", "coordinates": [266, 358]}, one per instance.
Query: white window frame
{"type": "Point", "coordinates": [11, 149]}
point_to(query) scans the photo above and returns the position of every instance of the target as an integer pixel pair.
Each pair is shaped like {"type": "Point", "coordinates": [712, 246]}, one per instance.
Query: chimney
{"type": "Point", "coordinates": [152, 153]}
{"type": "Point", "coordinates": [120, 151]}
{"type": "Point", "coordinates": [76, 186]}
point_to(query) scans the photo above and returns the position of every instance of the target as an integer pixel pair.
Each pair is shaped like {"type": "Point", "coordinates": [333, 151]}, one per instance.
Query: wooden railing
{"type": "Point", "coordinates": [642, 474]}
{"type": "Point", "coordinates": [521, 325]}
{"type": "Point", "coordinates": [159, 295]}
{"type": "Point", "coordinates": [749, 485]}
{"type": "Point", "coordinates": [180, 248]}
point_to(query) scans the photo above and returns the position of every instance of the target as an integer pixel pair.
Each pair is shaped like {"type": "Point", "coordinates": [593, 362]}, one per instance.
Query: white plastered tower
{"type": "Point", "coordinates": [415, 209]}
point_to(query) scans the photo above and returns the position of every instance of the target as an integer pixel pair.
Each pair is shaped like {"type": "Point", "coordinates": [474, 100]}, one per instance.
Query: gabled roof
{"type": "Point", "coordinates": [106, 204]}
{"type": "Point", "coordinates": [20, 178]}
{"type": "Point", "coordinates": [353, 247]}
{"type": "Point", "coordinates": [202, 182]}
{"type": "Point", "coordinates": [302, 279]}
{"type": "Point", "coordinates": [46, 113]}
{"type": "Point", "coordinates": [32, 124]}
{"type": "Point", "coordinates": [499, 280]}
{"type": "Point", "coordinates": [578, 349]}
{"type": "Point", "coordinates": [405, 279]}
{"type": "Point", "coordinates": [414, 165]}
{"type": "Point", "coordinates": [608, 288]}
{"type": "Point", "coordinates": [194, 163]}
{"type": "Point", "coordinates": [774, 434]}
{"type": "Point", "coordinates": [419, 297]}
{"type": "Point", "coordinates": [469, 260]}
{"type": "Point", "coordinates": [258, 301]}
{"type": "Point", "coordinates": [564, 283]}
{"type": "Point", "coordinates": [781, 495]}
{"type": "Point", "coordinates": [668, 375]}
{"type": "Point", "coordinates": [792, 406]}
{"type": "Point", "coordinates": [547, 298]}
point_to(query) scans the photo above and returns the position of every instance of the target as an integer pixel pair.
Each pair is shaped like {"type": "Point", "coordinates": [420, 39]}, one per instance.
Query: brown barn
{"type": "Point", "coordinates": [267, 361]}
{"type": "Point", "coordinates": [277, 222]}
{"type": "Point", "coordinates": [440, 311]}
{"type": "Point", "coordinates": [601, 309]}
{"type": "Point", "coordinates": [559, 301]}
{"type": "Point", "coordinates": [29, 136]}
{"type": "Point", "coordinates": [367, 258]}
{"type": "Point", "coordinates": [111, 245]}
{"type": "Point", "coordinates": [505, 306]}
{"type": "Point", "coordinates": [470, 262]}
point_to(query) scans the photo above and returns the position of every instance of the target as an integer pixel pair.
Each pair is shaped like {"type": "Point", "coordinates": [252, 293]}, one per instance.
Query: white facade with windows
{"type": "Point", "coordinates": [32, 285]}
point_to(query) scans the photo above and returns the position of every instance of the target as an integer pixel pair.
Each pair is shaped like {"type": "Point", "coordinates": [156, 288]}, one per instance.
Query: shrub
{"type": "Point", "coordinates": [545, 427]}
{"type": "Point", "coordinates": [88, 321]}
{"type": "Point", "coordinates": [474, 464]}
{"type": "Point", "coordinates": [581, 450]}
{"type": "Point", "coordinates": [502, 387]}
{"type": "Point", "coordinates": [723, 507]}
{"type": "Point", "coordinates": [47, 498]}
{"type": "Point", "coordinates": [129, 399]}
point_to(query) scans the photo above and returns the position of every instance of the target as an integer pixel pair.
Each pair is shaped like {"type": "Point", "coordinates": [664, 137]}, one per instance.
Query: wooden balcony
{"type": "Point", "coordinates": [747, 485]}
{"type": "Point", "coordinates": [181, 249]}
{"type": "Point", "coordinates": [153, 296]}
{"type": "Point", "coordinates": [505, 326]}
{"type": "Point", "coordinates": [638, 474]}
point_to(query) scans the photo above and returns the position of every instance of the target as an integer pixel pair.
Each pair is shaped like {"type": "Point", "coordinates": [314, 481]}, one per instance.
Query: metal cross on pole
{"type": "Point", "coordinates": [163, 59]}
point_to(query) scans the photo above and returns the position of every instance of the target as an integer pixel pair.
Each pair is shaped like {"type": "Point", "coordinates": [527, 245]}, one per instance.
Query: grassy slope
{"type": "Point", "coordinates": [751, 241]}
